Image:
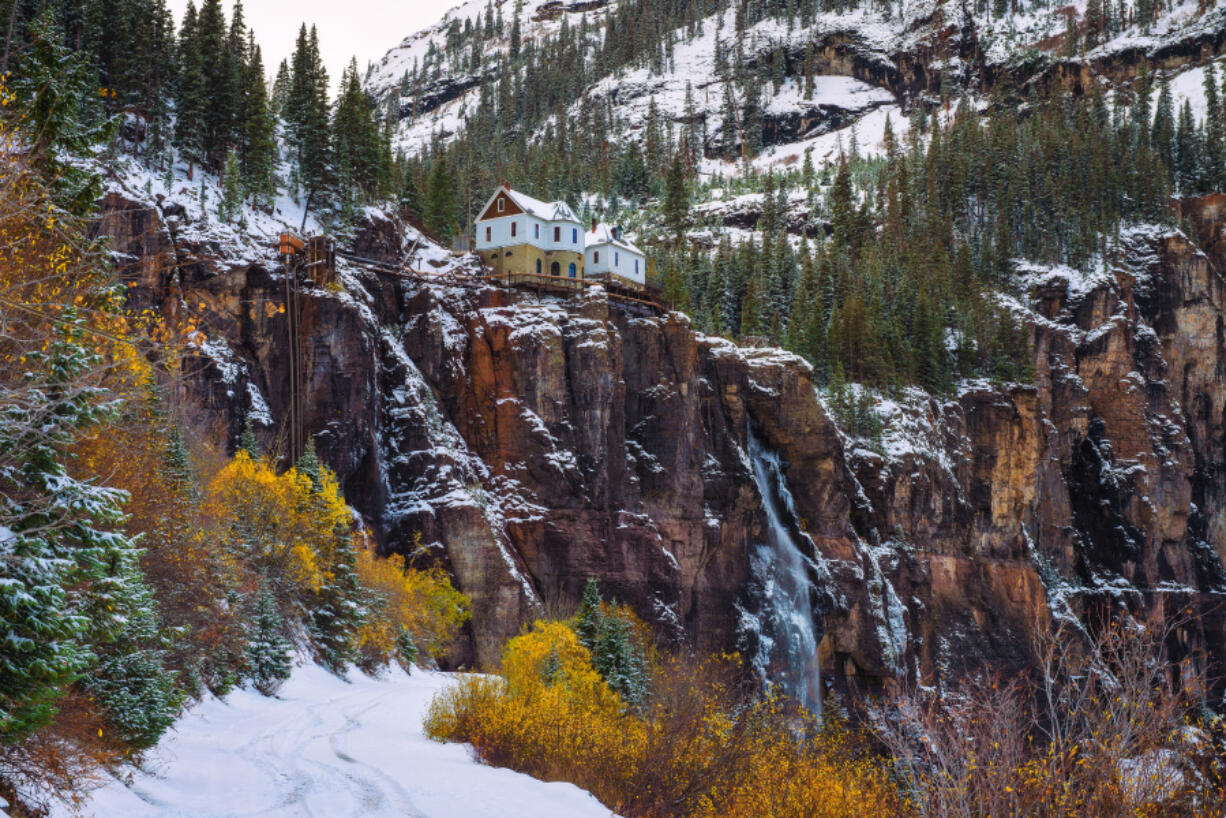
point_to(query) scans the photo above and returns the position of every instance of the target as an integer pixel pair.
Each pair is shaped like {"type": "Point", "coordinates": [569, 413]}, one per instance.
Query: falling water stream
{"type": "Point", "coordinates": [787, 651]}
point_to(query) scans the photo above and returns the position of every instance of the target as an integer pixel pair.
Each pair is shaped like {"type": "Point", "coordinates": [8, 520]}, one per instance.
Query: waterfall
{"type": "Point", "coordinates": [787, 632]}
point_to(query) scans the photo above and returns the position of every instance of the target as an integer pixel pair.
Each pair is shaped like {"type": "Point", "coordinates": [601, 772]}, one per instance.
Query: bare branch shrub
{"type": "Point", "coordinates": [1107, 729]}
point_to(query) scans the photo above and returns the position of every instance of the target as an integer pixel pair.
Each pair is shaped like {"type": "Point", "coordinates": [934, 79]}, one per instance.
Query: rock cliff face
{"type": "Point", "coordinates": [529, 444]}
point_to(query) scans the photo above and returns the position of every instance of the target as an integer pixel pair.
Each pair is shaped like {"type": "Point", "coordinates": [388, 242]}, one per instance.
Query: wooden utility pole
{"type": "Point", "coordinates": [290, 246]}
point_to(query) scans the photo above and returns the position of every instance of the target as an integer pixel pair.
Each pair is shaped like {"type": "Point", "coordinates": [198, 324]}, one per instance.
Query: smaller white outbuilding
{"type": "Point", "coordinates": [608, 254]}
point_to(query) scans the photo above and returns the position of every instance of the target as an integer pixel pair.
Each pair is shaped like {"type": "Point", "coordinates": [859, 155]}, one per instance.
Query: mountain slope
{"type": "Point", "coordinates": [911, 52]}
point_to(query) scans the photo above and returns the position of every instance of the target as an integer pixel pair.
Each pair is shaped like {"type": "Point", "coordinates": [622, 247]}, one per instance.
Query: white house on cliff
{"type": "Point", "coordinates": [608, 253]}
{"type": "Point", "coordinates": [519, 235]}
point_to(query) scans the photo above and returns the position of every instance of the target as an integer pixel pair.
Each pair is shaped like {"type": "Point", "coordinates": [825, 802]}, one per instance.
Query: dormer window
{"type": "Point", "coordinates": [502, 204]}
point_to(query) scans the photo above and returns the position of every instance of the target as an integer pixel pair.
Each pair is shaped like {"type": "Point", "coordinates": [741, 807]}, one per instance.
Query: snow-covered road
{"type": "Point", "coordinates": [326, 748]}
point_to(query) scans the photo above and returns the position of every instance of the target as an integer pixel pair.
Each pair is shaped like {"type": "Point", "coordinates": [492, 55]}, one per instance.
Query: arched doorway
{"type": "Point", "coordinates": [538, 266]}
{"type": "Point", "coordinates": [572, 269]}
{"type": "Point", "coordinates": [555, 269]}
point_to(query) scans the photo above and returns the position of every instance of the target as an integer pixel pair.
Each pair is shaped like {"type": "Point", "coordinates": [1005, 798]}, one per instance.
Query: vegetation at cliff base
{"type": "Point", "coordinates": [693, 739]}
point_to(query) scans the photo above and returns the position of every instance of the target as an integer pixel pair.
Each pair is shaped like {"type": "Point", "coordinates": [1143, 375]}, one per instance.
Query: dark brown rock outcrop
{"type": "Point", "coordinates": [529, 444]}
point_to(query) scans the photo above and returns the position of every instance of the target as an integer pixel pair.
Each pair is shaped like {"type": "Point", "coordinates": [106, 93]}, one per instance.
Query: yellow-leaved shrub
{"type": "Point", "coordinates": [424, 603]}
{"type": "Point", "coordinates": [550, 715]}
{"type": "Point", "coordinates": [276, 522]}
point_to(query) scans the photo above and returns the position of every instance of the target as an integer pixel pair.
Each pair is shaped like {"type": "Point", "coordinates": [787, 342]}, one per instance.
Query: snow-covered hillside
{"type": "Point", "coordinates": [325, 746]}
{"type": "Point", "coordinates": [868, 61]}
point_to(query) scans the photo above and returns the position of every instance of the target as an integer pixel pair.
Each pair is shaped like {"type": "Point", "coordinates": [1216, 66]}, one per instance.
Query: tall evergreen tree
{"type": "Point", "coordinates": [217, 69]}
{"type": "Point", "coordinates": [191, 96]}
{"type": "Point", "coordinates": [259, 157]}
{"type": "Point", "coordinates": [442, 210]}
{"type": "Point", "coordinates": [53, 87]}
{"type": "Point", "coordinates": [307, 120]}
{"type": "Point", "coordinates": [676, 200]}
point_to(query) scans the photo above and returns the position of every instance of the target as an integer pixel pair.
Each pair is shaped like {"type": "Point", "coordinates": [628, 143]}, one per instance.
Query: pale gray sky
{"type": "Point", "coordinates": [367, 29]}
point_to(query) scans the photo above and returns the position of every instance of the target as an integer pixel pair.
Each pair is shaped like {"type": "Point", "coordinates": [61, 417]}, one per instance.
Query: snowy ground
{"type": "Point", "coordinates": [326, 747]}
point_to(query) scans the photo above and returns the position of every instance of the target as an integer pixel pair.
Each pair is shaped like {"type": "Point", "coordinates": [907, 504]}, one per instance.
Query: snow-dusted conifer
{"type": "Point", "coordinates": [59, 536]}
{"type": "Point", "coordinates": [590, 617]}
{"type": "Point", "coordinates": [268, 651]}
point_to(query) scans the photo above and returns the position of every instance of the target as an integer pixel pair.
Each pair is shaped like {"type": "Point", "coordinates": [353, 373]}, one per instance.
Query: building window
{"type": "Point", "coordinates": [572, 269]}
{"type": "Point", "coordinates": [617, 259]}
{"type": "Point", "coordinates": [487, 233]}
{"type": "Point", "coordinates": [574, 235]}
{"type": "Point", "coordinates": [596, 257]}
{"type": "Point", "coordinates": [502, 204]}
{"type": "Point", "coordinates": [636, 266]}
{"type": "Point", "coordinates": [513, 226]}
{"type": "Point", "coordinates": [536, 231]}
{"type": "Point", "coordinates": [538, 266]}
{"type": "Point", "coordinates": [557, 235]}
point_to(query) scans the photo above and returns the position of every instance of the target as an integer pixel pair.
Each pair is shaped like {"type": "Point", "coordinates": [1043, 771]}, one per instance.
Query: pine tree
{"type": "Point", "coordinates": [231, 205]}
{"type": "Point", "coordinates": [309, 465]}
{"type": "Point", "coordinates": [247, 441]}
{"type": "Point", "coordinates": [358, 146]}
{"type": "Point", "coordinates": [1213, 146]}
{"type": "Point", "coordinates": [1145, 14]}
{"type": "Point", "coordinates": [516, 35]}
{"type": "Point", "coordinates": [53, 86]}
{"type": "Point", "coordinates": [217, 69]}
{"type": "Point", "coordinates": [441, 211]}
{"type": "Point", "coordinates": [406, 650]}
{"type": "Point", "coordinates": [61, 535]}
{"type": "Point", "coordinates": [675, 292]}
{"type": "Point", "coordinates": [1095, 23]}
{"type": "Point", "coordinates": [307, 118]}
{"type": "Point", "coordinates": [259, 131]}
{"type": "Point", "coordinates": [341, 605]}
{"type": "Point", "coordinates": [1163, 132]}
{"type": "Point", "coordinates": [1187, 150]}
{"type": "Point", "coordinates": [280, 89]}
{"type": "Point", "coordinates": [676, 201]}
{"type": "Point", "coordinates": [842, 209]}
{"type": "Point", "coordinates": [410, 195]}
{"type": "Point", "coordinates": [268, 651]}
{"type": "Point", "coordinates": [551, 671]}
{"type": "Point", "coordinates": [191, 98]}
{"type": "Point", "coordinates": [178, 462]}
{"type": "Point", "coordinates": [590, 617]}
{"type": "Point", "coordinates": [131, 682]}
{"type": "Point", "coordinates": [620, 662]}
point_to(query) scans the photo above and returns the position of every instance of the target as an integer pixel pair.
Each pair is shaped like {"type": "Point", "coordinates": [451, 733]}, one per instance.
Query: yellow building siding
{"type": "Point", "coordinates": [523, 258]}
